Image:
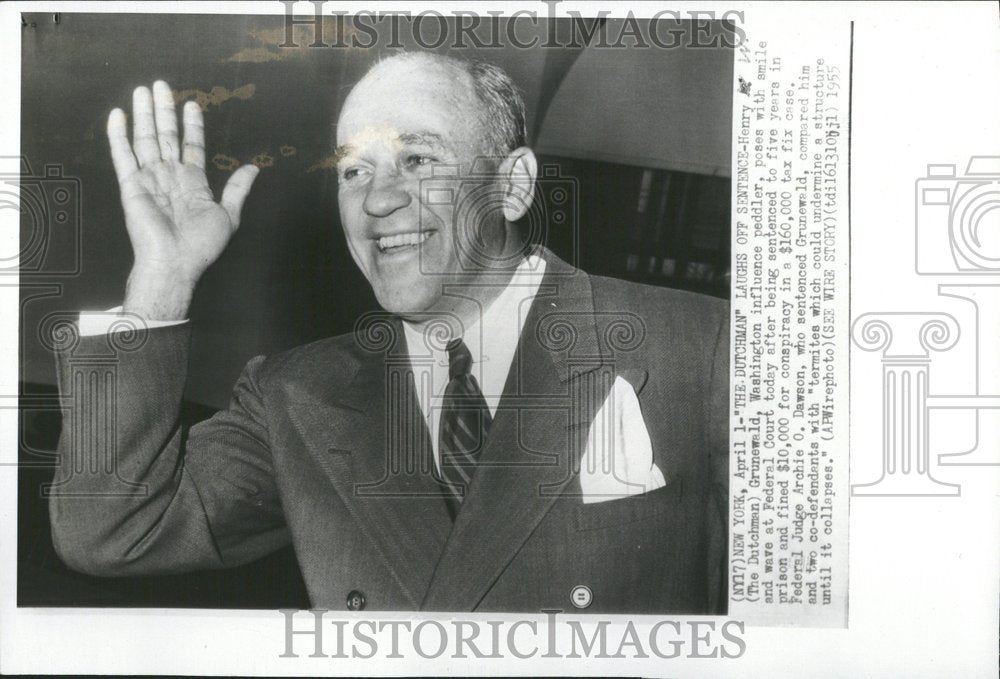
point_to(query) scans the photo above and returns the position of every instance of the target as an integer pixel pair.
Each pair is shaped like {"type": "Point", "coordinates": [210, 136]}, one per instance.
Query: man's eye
{"type": "Point", "coordinates": [349, 174]}
{"type": "Point", "coordinates": [416, 160]}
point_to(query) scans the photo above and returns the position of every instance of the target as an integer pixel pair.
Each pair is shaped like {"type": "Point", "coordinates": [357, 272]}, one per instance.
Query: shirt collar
{"type": "Point", "coordinates": [492, 338]}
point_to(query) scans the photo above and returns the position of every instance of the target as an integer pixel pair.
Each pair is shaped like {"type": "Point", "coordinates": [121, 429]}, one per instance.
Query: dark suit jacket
{"type": "Point", "coordinates": [324, 447]}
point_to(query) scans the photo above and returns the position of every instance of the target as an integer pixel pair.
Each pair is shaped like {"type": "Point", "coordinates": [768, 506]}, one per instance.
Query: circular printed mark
{"type": "Point", "coordinates": [224, 162]}
{"type": "Point", "coordinates": [263, 160]}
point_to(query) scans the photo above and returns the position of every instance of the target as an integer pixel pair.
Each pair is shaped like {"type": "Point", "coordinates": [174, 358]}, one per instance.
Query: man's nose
{"type": "Point", "coordinates": [386, 194]}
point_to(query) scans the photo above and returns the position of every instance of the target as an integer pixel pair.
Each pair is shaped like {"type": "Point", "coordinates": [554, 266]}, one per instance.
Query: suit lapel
{"type": "Point", "coordinates": [371, 440]}
{"type": "Point", "coordinates": [560, 376]}
{"type": "Point", "coordinates": [636, 377]}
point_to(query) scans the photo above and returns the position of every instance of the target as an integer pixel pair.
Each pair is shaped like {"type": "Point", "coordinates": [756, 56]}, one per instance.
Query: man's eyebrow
{"type": "Point", "coordinates": [432, 139]}
{"type": "Point", "coordinates": [426, 138]}
{"type": "Point", "coordinates": [342, 152]}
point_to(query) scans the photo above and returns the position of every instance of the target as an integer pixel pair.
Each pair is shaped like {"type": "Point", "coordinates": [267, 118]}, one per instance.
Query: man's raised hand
{"type": "Point", "coordinates": [176, 228]}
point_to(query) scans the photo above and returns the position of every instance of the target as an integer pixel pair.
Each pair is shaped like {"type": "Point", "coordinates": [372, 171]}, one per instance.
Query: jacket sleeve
{"type": "Point", "coordinates": [134, 492]}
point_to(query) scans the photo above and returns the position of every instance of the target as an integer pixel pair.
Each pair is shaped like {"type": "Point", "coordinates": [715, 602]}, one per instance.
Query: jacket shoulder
{"type": "Point", "coordinates": [331, 358]}
{"type": "Point", "coordinates": [656, 305]}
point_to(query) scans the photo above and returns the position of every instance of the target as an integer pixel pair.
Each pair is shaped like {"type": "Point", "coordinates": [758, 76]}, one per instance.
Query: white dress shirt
{"type": "Point", "coordinates": [492, 340]}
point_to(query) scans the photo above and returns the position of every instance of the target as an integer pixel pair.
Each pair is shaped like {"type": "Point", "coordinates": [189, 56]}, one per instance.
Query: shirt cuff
{"type": "Point", "coordinates": [102, 322]}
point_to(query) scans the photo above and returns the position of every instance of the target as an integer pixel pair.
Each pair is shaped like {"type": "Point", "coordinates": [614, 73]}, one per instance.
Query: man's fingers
{"type": "Point", "coordinates": [194, 135]}
{"type": "Point", "coordinates": [121, 152]}
{"type": "Point", "coordinates": [166, 121]}
{"type": "Point", "coordinates": [236, 191]}
{"type": "Point", "coordinates": [147, 149]}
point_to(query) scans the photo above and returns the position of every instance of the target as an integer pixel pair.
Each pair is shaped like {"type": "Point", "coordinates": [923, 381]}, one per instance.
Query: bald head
{"type": "Point", "coordinates": [484, 93]}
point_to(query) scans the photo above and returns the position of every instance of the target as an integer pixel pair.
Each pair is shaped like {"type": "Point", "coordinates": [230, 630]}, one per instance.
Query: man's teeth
{"type": "Point", "coordinates": [400, 239]}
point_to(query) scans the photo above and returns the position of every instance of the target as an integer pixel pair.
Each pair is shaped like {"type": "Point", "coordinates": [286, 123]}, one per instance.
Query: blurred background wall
{"type": "Point", "coordinates": [640, 136]}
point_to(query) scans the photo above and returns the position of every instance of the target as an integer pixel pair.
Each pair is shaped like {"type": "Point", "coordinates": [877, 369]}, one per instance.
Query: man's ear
{"type": "Point", "coordinates": [517, 178]}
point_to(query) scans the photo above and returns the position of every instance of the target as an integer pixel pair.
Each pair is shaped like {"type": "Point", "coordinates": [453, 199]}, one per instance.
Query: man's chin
{"type": "Point", "coordinates": [410, 303]}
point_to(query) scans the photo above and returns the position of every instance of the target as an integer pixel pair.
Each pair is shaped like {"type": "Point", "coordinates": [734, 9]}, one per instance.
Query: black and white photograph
{"type": "Point", "coordinates": [472, 297]}
{"type": "Point", "coordinates": [547, 338]}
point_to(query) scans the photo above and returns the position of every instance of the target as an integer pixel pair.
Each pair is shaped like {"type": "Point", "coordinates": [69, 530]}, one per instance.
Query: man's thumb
{"type": "Point", "coordinates": [236, 191]}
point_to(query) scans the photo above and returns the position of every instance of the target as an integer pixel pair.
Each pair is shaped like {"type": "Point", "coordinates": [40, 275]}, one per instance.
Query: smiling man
{"type": "Point", "coordinates": [409, 115]}
{"type": "Point", "coordinates": [508, 434]}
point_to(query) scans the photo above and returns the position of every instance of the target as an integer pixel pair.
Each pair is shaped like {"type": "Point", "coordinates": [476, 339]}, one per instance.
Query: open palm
{"type": "Point", "coordinates": [176, 227]}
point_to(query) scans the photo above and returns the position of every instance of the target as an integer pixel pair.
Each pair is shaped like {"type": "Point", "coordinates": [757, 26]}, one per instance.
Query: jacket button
{"type": "Point", "coordinates": [355, 600]}
{"type": "Point", "coordinates": [581, 596]}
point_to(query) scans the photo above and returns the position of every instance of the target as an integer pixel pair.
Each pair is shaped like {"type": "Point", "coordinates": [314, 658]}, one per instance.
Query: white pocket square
{"type": "Point", "coordinates": [618, 461]}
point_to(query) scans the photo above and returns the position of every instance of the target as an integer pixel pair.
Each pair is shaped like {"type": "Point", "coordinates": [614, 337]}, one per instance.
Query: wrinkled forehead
{"type": "Point", "coordinates": [406, 97]}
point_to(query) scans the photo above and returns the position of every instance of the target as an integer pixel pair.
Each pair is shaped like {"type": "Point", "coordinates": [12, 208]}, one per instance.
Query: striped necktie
{"type": "Point", "coordinates": [465, 423]}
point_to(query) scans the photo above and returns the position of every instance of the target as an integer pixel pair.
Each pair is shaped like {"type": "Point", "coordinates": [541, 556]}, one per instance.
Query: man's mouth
{"type": "Point", "coordinates": [399, 241]}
